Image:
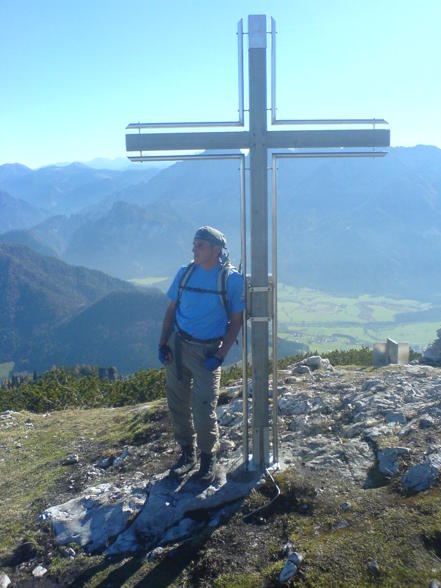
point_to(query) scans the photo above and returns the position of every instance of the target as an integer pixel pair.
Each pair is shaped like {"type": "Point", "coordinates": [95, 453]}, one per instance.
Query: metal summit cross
{"type": "Point", "coordinates": [259, 142]}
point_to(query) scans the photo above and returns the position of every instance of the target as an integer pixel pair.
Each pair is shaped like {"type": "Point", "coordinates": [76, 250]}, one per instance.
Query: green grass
{"type": "Point", "coordinates": [31, 474]}
{"type": "Point", "coordinates": [6, 368]}
{"type": "Point", "coordinates": [325, 322]}
{"type": "Point", "coordinates": [401, 534]}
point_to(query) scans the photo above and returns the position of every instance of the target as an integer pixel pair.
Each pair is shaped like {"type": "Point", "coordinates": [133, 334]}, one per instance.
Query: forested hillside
{"type": "Point", "coordinates": [51, 312]}
{"type": "Point", "coordinates": [346, 226]}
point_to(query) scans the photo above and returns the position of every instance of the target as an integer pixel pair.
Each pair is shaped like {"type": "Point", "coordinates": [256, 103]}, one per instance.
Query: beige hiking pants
{"type": "Point", "coordinates": [192, 399]}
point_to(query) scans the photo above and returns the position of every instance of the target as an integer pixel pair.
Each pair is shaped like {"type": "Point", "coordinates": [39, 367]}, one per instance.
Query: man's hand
{"type": "Point", "coordinates": [212, 362]}
{"type": "Point", "coordinates": [165, 354]}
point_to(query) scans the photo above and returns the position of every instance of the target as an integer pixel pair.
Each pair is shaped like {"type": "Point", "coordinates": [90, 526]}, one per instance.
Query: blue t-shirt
{"type": "Point", "coordinates": [201, 314]}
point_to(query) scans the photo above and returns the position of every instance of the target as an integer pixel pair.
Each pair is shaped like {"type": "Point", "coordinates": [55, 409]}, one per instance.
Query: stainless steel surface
{"type": "Point", "coordinates": [328, 138]}
{"type": "Point", "coordinates": [259, 234]}
{"type": "Point", "coordinates": [287, 155]}
{"type": "Point", "coordinates": [273, 72]}
{"type": "Point", "coordinates": [187, 141]}
{"type": "Point", "coordinates": [257, 32]}
{"type": "Point", "coordinates": [240, 70]}
{"type": "Point", "coordinates": [275, 424]}
{"type": "Point", "coordinates": [141, 158]}
{"type": "Point", "coordinates": [329, 121]}
{"type": "Point", "coordinates": [293, 155]}
{"type": "Point", "coordinates": [173, 125]}
{"type": "Point", "coordinates": [243, 243]}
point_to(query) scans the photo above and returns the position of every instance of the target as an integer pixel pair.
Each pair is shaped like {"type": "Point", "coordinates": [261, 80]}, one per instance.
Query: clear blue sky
{"type": "Point", "coordinates": [75, 72]}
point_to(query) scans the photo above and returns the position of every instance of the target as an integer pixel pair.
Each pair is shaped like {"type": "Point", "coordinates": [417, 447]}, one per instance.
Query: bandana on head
{"type": "Point", "coordinates": [212, 235]}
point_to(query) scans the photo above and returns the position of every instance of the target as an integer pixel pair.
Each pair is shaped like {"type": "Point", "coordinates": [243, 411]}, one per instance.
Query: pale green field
{"type": "Point", "coordinates": [325, 322]}
{"type": "Point", "coordinates": [5, 368]}
{"type": "Point", "coordinates": [147, 281]}
{"type": "Point", "coordinates": [306, 305]}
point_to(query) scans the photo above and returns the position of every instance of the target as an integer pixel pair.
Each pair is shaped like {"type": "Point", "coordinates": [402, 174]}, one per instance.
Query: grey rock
{"type": "Point", "coordinates": [342, 524]}
{"type": "Point", "coordinates": [422, 476]}
{"type": "Point", "coordinates": [69, 552]}
{"type": "Point", "coordinates": [426, 422]}
{"type": "Point", "coordinates": [373, 567]}
{"type": "Point", "coordinates": [372, 383]}
{"type": "Point", "coordinates": [395, 417]}
{"type": "Point", "coordinates": [314, 362]}
{"type": "Point", "coordinates": [288, 548]}
{"type": "Point", "coordinates": [434, 584]}
{"type": "Point", "coordinates": [291, 404]}
{"type": "Point", "coordinates": [375, 433]}
{"type": "Point", "coordinates": [234, 391]}
{"type": "Point", "coordinates": [165, 516]}
{"type": "Point", "coordinates": [99, 513]}
{"type": "Point", "coordinates": [301, 369]}
{"type": "Point", "coordinates": [4, 580]}
{"type": "Point", "coordinates": [7, 414]}
{"type": "Point", "coordinates": [226, 418]}
{"type": "Point", "coordinates": [292, 380]}
{"type": "Point", "coordinates": [155, 553]}
{"type": "Point", "coordinates": [299, 424]}
{"type": "Point", "coordinates": [105, 463]}
{"type": "Point", "coordinates": [71, 459]}
{"type": "Point", "coordinates": [114, 461]}
{"type": "Point", "coordinates": [121, 457]}
{"type": "Point", "coordinates": [183, 529]}
{"type": "Point", "coordinates": [39, 572]}
{"type": "Point", "coordinates": [225, 446]}
{"type": "Point", "coordinates": [326, 365]}
{"type": "Point", "coordinates": [388, 459]}
{"type": "Point", "coordinates": [432, 353]}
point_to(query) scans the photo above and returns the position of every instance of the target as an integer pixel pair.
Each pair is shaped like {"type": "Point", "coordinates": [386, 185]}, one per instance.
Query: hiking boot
{"type": "Point", "coordinates": [186, 461]}
{"type": "Point", "coordinates": [207, 470]}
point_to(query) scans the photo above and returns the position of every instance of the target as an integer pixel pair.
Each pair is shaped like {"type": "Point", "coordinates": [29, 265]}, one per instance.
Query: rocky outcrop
{"type": "Point", "coordinates": [4, 580]}
{"type": "Point", "coordinates": [362, 427]}
{"type": "Point", "coordinates": [99, 513]}
{"type": "Point", "coordinates": [432, 353]}
{"type": "Point", "coordinates": [423, 476]}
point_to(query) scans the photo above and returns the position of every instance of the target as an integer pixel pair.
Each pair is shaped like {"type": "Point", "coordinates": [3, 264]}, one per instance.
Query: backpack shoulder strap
{"type": "Point", "coordinates": [222, 280]}
{"type": "Point", "coordinates": [184, 280]}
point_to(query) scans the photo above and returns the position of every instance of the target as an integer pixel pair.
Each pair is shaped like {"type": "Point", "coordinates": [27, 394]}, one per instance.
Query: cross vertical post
{"type": "Point", "coordinates": [259, 235]}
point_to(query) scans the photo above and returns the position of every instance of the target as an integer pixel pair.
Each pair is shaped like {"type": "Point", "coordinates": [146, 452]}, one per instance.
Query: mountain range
{"type": "Point", "coordinates": [52, 313]}
{"type": "Point", "coordinates": [345, 226]}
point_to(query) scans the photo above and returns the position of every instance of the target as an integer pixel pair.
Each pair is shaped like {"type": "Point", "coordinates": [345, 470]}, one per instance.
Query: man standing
{"type": "Point", "coordinates": [200, 325]}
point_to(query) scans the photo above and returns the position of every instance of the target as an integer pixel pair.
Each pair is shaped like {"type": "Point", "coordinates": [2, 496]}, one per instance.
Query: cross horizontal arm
{"type": "Point", "coordinates": [327, 138]}
{"type": "Point", "coordinates": [183, 141]}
